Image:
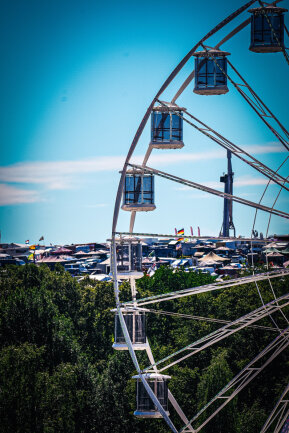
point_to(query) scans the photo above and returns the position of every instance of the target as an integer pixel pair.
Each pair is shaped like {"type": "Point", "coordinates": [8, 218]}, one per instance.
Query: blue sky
{"type": "Point", "coordinates": [77, 77]}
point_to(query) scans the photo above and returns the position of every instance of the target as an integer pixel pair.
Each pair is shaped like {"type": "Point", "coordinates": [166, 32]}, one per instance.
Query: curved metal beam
{"type": "Point", "coordinates": [119, 193]}
{"type": "Point", "coordinates": [130, 348]}
{"type": "Point", "coordinates": [225, 39]}
{"type": "Point", "coordinates": [162, 89]}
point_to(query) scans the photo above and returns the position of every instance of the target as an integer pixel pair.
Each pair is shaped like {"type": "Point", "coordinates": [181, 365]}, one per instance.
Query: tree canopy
{"type": "Point", "coordinates": [59, 373]}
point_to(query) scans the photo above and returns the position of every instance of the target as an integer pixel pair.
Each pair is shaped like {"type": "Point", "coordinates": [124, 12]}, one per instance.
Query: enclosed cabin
{"type": "Point", "coordinates": [167, 127]}
{"type": "Point", "coordinates": [136, 326]}
{"type": "Point", "coordinates": [145, 408]}
{"type": "Point", "coordinates": [211, 72]}
{"type": "Point", "coordinates": [128, 255]}
{"type": "Point", "coordinates": [267, 29]}
{"type": "Point", "coordinates": [138, 194]}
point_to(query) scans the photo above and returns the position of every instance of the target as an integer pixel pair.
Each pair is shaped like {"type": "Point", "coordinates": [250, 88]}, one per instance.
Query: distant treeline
{"type": "Point", "coordinates": [59, 373]}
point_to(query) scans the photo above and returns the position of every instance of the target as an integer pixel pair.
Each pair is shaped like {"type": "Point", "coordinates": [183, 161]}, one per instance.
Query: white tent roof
{"type": "Point", "coordinates": [212, 257]}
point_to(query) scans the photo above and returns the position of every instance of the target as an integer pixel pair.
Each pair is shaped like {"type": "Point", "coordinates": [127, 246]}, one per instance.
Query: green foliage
{"type": "Point", "coordinates": [212, 380]}
{"type": "Point", "coordinates": [59, 373]}
{"type": "Point", "coordinates": [67, 399]}
{"type": "Point", "coordinates": [20, 367]}
{"type": "Point", "coordinates": [164, 280]}
{"type": "Point", "coordinates": [251, 418]}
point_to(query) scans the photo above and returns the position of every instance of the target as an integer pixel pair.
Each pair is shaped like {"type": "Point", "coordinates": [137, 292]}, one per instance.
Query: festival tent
{"type": "Point", "coordinates": [211, 259]}
{"type": "Point", "coordinates": [223, 249]}
{"type": "Point", "coordinates": [270, 250]}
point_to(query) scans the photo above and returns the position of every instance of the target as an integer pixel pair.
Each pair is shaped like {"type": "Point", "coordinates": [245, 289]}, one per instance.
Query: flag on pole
{"type": "Point", "coordinates": [181, 233]}
{"type": "Point", "coordinates": [199, 231]}
{"type": "Point", "coordinates": [176, 232]}
{"type": "Point", "coordinates": [192, 232]}
{"type": "Point", "coordinates": [32, 247]}
{"type": "Point", "coordinates": [41, 239]}
{"type": "Point", "coordinates": [27, 242]}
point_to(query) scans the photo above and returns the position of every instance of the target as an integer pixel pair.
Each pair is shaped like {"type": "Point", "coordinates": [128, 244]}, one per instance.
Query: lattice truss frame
{"type": "Point", "coordinates": [281, 336]}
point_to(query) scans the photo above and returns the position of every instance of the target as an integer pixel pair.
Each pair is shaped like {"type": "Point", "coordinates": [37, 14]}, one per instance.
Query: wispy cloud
{"type": "Point", "coordinates": [58, 174]}
{"type": "Point", "coordinates": [61, 175]}
{"type": "Point", "coordinates": [250, 181]}
{"type": "Point", "coordinates": [10, 195]}
{"type": "Point", "coordinates": [272, 147]}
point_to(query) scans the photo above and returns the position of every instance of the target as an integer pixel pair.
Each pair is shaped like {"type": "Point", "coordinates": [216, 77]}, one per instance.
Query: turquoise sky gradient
{"type": "Point", "coordinates": [77, 77]}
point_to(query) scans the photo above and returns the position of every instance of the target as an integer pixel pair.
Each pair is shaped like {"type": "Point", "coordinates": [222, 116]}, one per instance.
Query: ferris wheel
{"type": "Point", "coordinates": [213, 74]}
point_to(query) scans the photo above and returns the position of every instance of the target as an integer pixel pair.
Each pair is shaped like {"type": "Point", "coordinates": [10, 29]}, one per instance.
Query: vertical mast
{"type": "Point", "coordinates": [227, 179]}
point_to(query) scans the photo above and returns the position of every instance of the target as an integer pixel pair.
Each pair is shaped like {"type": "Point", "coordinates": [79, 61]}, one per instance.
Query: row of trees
{"type": "Point", "coordinates": [59, 373]}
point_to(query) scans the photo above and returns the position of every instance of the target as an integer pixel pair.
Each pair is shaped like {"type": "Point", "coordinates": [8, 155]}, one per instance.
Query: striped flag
{"type": "Point", "coordinates": [181, 233]}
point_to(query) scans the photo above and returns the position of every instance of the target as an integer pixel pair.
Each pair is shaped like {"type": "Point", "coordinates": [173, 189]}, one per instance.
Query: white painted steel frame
{"type": "Point", "coordinates": [279, 414]}
{"type": "Point", "coordinates": [273, 31]}
{"type": "Point", "coordinates": [216, 192]}
{"type": "Point", "coordinates": [206, 288]}
{"type": "Point", "coordinates": [203, 319]}
{"type": "Point", "coordinates": [236, 150]}
{"type": "Point", "coordinates": [129, 343]}
{"type": "Point", "coordinates": [214, 238]}
{"type": "Point", "coordinates": [162, 89]}
{"type": "Point", "coordinates": [236, 30]}
{"type": "Point", "coordinates": [121, 184]}
{"type": "Point", "coordinates": [225, 331]}
{"type": "Point", "coordinates": [256, 103]}
{"type": "Point", "coordinates": [242, 379]}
